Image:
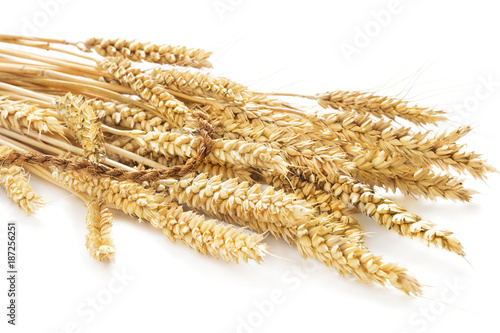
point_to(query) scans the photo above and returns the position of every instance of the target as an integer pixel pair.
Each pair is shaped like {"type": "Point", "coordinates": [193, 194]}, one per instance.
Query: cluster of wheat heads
{"type": "Point", "coordinates": [95, 119]}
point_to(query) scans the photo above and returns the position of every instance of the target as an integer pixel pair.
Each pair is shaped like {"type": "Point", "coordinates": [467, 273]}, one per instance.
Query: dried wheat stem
{"type": "Point", "coordinates": [49, 144]}
{"type": "Point", "coordinates": [29, 70]}
{"type": "Point", "coordinates": [77, 67]}
{"type": "Point", "coordinates": [87, 90]}
{"type": "Point", "coordinates": [137, 51]}
{"type": "Point", "coordinates": [27, 93]}
{"type": "Point", "coordinates": [41, 45]}
{"type": "Point", "coordinates": [362, 102]}
{"type": "Point", "coordinates": [99, 223]}
{"type": "Point", "coordinates": [17, 186]}
{"type": "Point", "coordinates": [82, 121]}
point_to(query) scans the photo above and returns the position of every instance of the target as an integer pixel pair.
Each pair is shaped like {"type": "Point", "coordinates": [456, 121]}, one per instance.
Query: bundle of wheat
{"type": "Point", "coordinates": [147, 141]}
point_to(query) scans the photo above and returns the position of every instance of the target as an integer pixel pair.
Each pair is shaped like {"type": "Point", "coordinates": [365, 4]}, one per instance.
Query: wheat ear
{"type": "Point", "coordinates": [378, 168]}
{"type": "Point", "coordinates": [235, 152]}
{"type": "Point", "coordinates": [128, 116]}
{"type": "Point", "coordinates": [362, 102]}
{"type": "Point", "coordinates": [99, 223]}
{"type": "Point", "coordinates": [17, 186]}
{"type": "Point", "coordinates": [387, 213]}
{"type": "Point", "coordinates": [205, 236]}
{"type": "Point", "coordinates": [239, 199]}
{"type": "Point", "coordinates": [17, 115]}
{"type": "Point", "coordinates": [321, 241]}
{"type": "Point", "coordinates": [202, 84]}
{"type": "Point", "coordinates": [172, 110]}
{"type": "Point", "coordinates": [82, 121]}
{"type": "Point", "coordinates": [418, 148]}
{"type": "Point", "coordinates": [161, 54]}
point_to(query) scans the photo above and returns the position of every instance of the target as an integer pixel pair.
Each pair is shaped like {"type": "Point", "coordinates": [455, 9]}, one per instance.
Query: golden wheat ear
{"type": "Point", "coordinates": [18, 188]}
{"type": "Point", "coordinates": [204, 236]}
{"type": "Point", "coordinates": [99, 222]}
{"type": "Point", "coordinates": [362, 102]}
{"type": "Point", "coordinates": [81, 119]}
{"type": "Point", "coordinates": [160, 54]}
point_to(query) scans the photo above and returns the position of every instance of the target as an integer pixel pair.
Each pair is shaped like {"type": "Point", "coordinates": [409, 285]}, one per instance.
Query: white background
{"type": "Point", "coordinates": [434, 52]}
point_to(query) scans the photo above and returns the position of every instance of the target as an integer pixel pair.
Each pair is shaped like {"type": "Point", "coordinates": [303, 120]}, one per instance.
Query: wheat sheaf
{"type": "Point", "coordinates": [217, 166]}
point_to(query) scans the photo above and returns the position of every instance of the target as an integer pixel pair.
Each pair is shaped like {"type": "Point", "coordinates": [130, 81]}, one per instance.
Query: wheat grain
{"type": "Point", "coordinates": [418, 148]}
{"type": "Point", "coordinates": [378, 168]}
